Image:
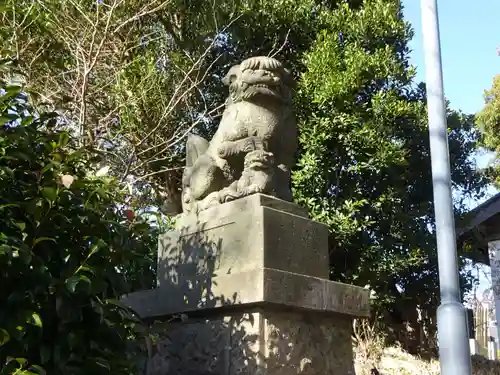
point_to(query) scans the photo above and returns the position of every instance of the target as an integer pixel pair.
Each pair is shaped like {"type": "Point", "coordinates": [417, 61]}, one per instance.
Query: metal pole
{"type": "Point", "coordinates": [453, 338]}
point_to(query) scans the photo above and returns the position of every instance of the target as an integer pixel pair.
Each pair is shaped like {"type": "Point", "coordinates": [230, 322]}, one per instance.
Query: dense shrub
{"type": "Point", "coordinates": [68, 251]}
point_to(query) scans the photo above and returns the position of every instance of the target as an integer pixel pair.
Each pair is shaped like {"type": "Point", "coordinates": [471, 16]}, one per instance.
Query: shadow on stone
{"type": "Point", "coordinates": [231, 290]}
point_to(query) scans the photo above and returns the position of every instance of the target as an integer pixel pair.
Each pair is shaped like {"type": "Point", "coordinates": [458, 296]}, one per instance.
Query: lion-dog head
{"type": "Point", "coordinates": [261, 76]}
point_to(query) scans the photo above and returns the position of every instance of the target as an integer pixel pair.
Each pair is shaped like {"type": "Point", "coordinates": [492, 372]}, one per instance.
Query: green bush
{"type": "Point", "coordinates": [68, 251]}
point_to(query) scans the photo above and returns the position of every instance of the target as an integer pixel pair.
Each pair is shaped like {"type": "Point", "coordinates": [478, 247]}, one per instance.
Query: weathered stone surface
{"type": "Point", "coordinates": [254, 146]}
{"type": "Point", "coordinates": [254, 232]}
{"type": "Point", "coordinates": [246, 204]}
{"type": "Point", "coordinates": [251, 275]}
{"type": "Point", "coordinates": [256, 342]}
{"type": "Point", "coordinates": [256, 250]}
{"type": "Point", "coordinates": [261, 287]}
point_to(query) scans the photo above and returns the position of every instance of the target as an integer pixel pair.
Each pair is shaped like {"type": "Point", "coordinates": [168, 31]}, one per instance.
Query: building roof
{"type": "Point", "coordinates": [480, 225]}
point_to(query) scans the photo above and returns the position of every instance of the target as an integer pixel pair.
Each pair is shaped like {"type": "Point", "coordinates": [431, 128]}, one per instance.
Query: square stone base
{"type": "Point", "coordinates": [273, 342]}
{"type": "Point", "coordinates": [251, 276]}
{"type": "Point", "coordinates": [262, 287]}
{"type": "Point", "coordinates": [257, 231]}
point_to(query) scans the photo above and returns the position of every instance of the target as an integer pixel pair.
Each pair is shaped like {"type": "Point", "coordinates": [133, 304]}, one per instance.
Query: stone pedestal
{"type": "Point", "coordinates": [492, 350]}
{"type": "Point", "coordinates": [250, 279]}
{"type": "Point", "coordinates": [494, 255]}
{"type": "Point", "coordinates": [474, 347]}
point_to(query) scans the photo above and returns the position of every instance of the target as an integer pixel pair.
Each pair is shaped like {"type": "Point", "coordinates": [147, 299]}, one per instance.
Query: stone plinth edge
{"type": "Point", "coordinates": [250, 233]}
{"type": "Point", "coordinates": [258, 287]}
{"type": "Point", "coordinates": [240, 205]}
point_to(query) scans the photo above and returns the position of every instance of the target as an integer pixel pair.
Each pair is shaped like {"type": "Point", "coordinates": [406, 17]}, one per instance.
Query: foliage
{"type": "Point", "coordinates": [120, 74]}
{"type": "Point", "coordinates": [132, 78]}
{"type": "Point", "coordinates": [364, 167]}
{"type": "Point", "coordinates": [396, 361]}
{"type": "Point", "coordinates": [488, 121]}
{"type": "Point", "coordinates": [489, 116]}
{"type": "Point", "coordinates": [369, 344]}
{"type": "Point", "coordinates": [67, 252]}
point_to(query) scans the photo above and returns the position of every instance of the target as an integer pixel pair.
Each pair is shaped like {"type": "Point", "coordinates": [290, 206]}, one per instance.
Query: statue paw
{"type": "Point", "coordinates": [254, 144]}
{"type": "Point", "coordinates": [252, 189]}
{"type": "Point", "coordinates": [242, 146]}
{"type": "Point", "coordinates": [211, 200]}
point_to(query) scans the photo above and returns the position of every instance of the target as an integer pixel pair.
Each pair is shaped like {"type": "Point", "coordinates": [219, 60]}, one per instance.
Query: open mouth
{"type": "Point", "coordinates": [258, 164]}
{"type": "Point", "coordinates": [265, 90]}
{"type": "Point", "coordinates": [262, 83]}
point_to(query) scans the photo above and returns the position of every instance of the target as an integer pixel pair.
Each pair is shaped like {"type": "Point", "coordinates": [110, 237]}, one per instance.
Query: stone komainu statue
{"type": "Point", "coordinates": [255, 144]}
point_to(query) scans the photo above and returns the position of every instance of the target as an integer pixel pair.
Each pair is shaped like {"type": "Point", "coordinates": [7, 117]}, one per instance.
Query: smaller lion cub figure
{"type": "Point", "coordinates": [254, 146]}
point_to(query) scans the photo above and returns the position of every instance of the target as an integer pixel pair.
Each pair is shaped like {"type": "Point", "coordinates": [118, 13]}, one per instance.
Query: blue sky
{"type": "Point", "coordinates": [469, 42]}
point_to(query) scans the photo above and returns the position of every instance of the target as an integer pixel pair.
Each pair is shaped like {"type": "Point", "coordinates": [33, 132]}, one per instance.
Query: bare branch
{"type": "Point", "coordinates": [174, 140]}
{"type": "Point", "coordinates": [146, 176]}
{"type": "Point", "coordinates": [82, 13]}
{"type": "Point", "coordinates": [282, 45]}
{"type": "Point", "coordinates": [142, 14]}
{"type": "Point", "coordinates": [175, 100]}
{"type": "Point", "coordinates": [88, 67]}
{"type": "Point", "coordinates": [99, 57]}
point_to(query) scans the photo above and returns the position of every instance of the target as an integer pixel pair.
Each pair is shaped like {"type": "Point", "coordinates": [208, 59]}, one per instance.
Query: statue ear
{"type": "Point", "coordinates": [195, 147]}
{"type": "Point", "coordinates": [231, 76]}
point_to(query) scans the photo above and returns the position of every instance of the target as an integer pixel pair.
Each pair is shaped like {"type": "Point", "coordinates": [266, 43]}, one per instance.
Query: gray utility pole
{"type": "Point", "coordinates": [453, 338]}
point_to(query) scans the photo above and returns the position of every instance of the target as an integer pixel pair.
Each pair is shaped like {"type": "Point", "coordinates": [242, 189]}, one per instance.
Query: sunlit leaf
{"type": "Point", "coordinates": [35, 320]}
{"type": "Point", "coordinates": [50, 193]}
{"type": "Point", "coordinates": [4, 336]}
{"type": "Point", "coordinates": [21, 225]}
{"type": "Point", "coordinates": [75, 280]}
{"type": "Point", "coordinates": [63, 139]}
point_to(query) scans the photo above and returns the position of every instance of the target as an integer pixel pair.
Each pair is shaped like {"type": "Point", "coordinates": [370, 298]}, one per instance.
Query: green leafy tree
{"type": "Point", "coordinates": [488, 121]}
{"type": "Point", "coordinates": [132, 78]}
{"type": "Point", "coordinates": [364, 166]}
{"type": "Point", "coordinates": [123, 75]}
{"type": "Point", "coordinates": [68, 251]}
{"type": "Point", "coordinates": [489, 116]}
